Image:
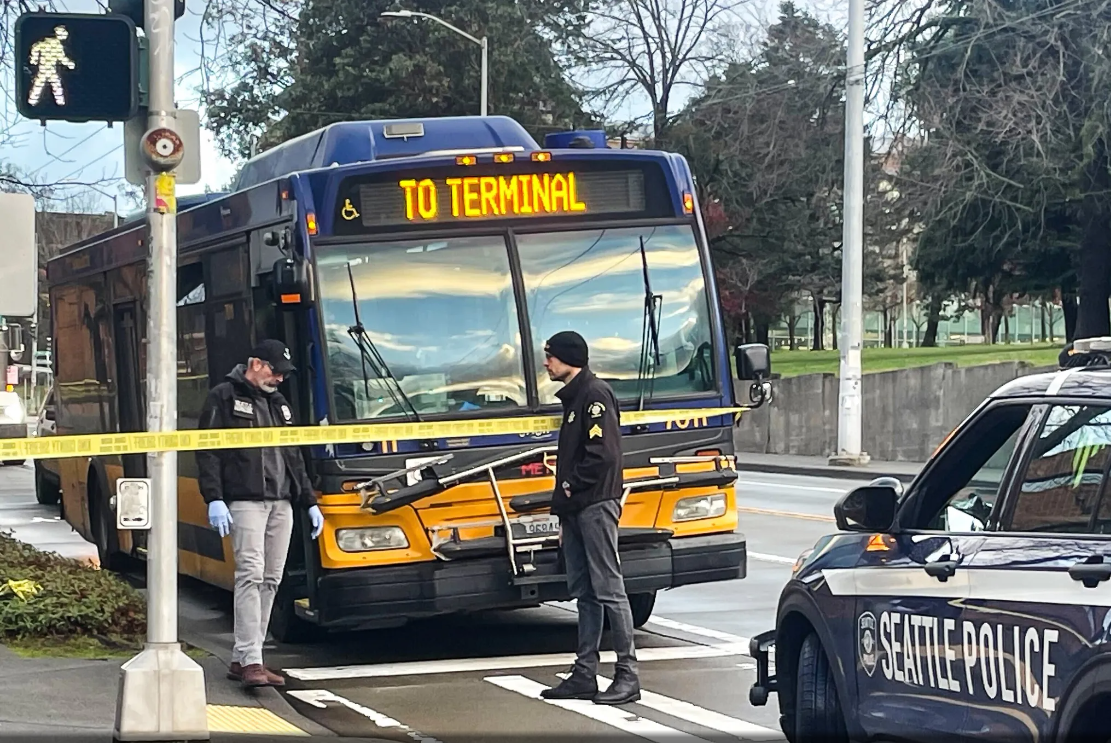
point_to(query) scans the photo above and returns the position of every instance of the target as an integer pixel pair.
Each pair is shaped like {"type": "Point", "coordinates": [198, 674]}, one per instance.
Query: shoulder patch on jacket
{"type": "Point", "coordinates": [287, 413]}
{"type": "Point", "coordinates": [596, 409]}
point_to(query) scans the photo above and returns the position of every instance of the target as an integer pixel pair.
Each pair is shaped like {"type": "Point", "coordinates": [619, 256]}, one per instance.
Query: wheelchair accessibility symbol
{"type": "Point", "coordinates": [348, 212]}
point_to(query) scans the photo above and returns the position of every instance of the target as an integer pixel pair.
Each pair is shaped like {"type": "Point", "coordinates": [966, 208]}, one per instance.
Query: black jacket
{"type": "Point", "coordinates": [241, 474]}
{"type": "Point", "coordinates": [589, 461]}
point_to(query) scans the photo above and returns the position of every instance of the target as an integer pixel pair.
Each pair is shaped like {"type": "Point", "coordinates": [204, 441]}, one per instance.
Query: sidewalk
{"type": "Point", "coordinates": [789, 464]}
{"type": "Point", "coordinates": [74, 699]}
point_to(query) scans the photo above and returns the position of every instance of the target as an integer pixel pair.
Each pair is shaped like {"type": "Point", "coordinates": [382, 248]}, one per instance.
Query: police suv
{"type": "Point", "coordinates": [976, 603]}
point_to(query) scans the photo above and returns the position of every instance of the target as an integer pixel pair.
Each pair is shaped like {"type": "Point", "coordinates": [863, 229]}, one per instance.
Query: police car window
{"type": "Point", "coordinates": [1062, 485]}
{"type": "Point", "coordinates": [969, 473]}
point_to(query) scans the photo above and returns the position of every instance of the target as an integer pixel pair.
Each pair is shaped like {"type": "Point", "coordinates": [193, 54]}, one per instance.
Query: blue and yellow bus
{"type": "Point", "coordinates": [415, 267]}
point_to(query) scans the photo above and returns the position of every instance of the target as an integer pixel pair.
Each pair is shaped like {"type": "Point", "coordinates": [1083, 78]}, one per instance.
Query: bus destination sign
{"type": "Point", "coordinates": [411, 200]}
{"type": "Point", "coordinates": [478, 197]}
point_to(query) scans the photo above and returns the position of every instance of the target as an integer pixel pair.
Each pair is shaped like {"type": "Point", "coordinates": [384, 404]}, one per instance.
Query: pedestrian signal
{"type": "Point", "coordinates": [76, 67]}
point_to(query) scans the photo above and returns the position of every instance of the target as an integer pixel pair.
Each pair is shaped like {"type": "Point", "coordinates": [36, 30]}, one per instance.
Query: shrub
{"type": "Point", "coordinates": [73, 598]}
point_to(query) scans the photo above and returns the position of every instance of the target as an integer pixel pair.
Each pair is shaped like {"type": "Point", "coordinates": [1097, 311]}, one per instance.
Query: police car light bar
{"type": "Point", "coordinates": [1086, 352]}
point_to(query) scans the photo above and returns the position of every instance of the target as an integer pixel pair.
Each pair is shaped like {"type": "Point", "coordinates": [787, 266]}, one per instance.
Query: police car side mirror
{"type": "Point", "coordinates": [868, 508]}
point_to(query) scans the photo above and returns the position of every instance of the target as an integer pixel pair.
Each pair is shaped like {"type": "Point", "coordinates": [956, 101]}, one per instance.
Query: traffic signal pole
{"type": "Point", "coordinates": [162, 692]}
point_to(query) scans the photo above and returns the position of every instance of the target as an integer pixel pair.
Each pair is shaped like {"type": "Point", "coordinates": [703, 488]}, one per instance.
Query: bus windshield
{"type": "Point", "coordinates": [440, 320]}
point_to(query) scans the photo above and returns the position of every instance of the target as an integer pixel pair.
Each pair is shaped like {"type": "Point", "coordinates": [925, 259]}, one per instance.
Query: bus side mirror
{"type": "Point", "coordinates": [754, 363]}
{"type": "Point", "coordinates": [292, 283]}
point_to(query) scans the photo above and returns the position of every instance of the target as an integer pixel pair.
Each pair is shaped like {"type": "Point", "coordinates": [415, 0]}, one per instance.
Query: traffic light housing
{"type": "Point", "coordinates": [76, 67]}
{"type": "Point", "coordinates": [135, 10]}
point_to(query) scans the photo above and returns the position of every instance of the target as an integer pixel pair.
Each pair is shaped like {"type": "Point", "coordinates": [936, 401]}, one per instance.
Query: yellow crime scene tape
{"type": "Point", "coordinates": [101, 444]}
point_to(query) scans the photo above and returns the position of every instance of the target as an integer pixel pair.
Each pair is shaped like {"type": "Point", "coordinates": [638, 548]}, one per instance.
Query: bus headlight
{"type": "Point", "coordinates": [699, 507]}
{"type": "Point", "coordinates": [370, 538]}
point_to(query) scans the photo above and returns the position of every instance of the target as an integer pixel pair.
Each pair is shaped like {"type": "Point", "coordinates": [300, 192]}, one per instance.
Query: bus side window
{"type": "Point", "coordinates": [228, 312]}
{"type": "Point", "coordinates": [192, 375]}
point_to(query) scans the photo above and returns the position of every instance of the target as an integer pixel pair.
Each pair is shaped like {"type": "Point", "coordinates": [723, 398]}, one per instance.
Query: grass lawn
{"type": "Point", "coordinates": [794, 363]}
{"type": "Point", "coordinates": [81, 647]}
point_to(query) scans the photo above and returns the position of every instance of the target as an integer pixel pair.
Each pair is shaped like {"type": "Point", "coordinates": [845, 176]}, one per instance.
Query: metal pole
{"type": "Point", "coordinates": [162, 694]}
{"type": "Point", "coordinates": [485, 73]}
{"type": "Point", "coordinates": [850, 413]}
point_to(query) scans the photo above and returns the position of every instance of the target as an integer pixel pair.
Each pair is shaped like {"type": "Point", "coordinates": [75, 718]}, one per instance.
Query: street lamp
{"type": "Point", "coordinates": [481, 42]}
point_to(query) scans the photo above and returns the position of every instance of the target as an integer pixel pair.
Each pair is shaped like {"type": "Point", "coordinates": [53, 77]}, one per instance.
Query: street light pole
{"type": "Point", "coordinates": [851, 398]}
{"type": "Point", "coordinates": [162, 694]}
{"type": "Point", "coordinates": [485, 76]}
{"type": "Point", "coordinates": [481, 42]}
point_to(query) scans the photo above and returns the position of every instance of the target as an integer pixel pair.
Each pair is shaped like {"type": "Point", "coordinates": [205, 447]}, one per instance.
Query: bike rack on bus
{"type": "Point", "coordinates": [447, 544]}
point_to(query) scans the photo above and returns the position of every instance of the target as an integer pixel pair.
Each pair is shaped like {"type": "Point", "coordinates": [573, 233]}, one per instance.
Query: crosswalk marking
{"type": "Point", "coordinates": [612, 716]}
{"type": "Point", "coordinates": [508, 662]}
{"type": "Point", "coordinates": [693, 629]}
{"type": "Point", "coordinates": [699, 716]}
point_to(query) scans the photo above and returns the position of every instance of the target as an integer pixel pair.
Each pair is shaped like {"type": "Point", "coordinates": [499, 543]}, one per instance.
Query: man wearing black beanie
{"type": "Point", "coordinates": [587, 500]}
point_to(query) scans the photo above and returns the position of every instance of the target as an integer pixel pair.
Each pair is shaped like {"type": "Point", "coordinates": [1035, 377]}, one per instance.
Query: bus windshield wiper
{"type": "Point", "coordinates": [649, 354]}
{"type": "Point", "coordinates": [369, 353]}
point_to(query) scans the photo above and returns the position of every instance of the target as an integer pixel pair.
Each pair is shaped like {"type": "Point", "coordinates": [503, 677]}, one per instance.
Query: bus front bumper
{"type": "Point", "coordinates": [388, 595]}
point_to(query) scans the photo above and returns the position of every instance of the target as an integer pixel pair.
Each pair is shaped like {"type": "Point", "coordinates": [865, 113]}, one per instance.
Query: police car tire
{"type": "Point", "coordinates": [818, 716]}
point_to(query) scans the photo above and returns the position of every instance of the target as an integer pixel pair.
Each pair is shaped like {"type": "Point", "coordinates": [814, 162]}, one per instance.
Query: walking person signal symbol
{"type": "Point", "coordinates": [46, 56]}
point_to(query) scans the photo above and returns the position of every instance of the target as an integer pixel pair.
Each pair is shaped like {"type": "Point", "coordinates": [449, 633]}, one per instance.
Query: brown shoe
{"type": "Point", "coordinates": [256, 675]}
{"type": "Point", "coordinates": [235, 673]}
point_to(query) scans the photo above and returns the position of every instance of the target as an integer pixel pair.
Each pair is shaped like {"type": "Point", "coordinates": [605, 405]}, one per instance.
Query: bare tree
{"type": "Point", "coordinates": [654, 48]}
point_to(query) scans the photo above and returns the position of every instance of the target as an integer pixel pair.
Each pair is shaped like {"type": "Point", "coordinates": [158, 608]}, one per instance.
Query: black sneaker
{"type": "Point", "coordinates": [625, 689]}
{"type": "Point", "coordinates": [575, 686]}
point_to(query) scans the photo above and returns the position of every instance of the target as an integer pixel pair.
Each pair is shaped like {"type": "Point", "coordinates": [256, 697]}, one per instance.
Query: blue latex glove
{"type": "Point", "coordinates": [219, 517]}
{"type": "Point", "coordinates": [317, 521]}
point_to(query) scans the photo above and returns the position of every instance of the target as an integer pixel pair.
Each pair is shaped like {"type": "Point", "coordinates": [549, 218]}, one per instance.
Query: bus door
{"type": "Point", "coordinates": [129, 391]}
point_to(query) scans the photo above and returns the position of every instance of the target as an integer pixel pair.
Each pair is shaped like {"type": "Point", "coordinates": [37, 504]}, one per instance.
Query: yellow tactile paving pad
{"type": "Point", "coordinates": [248, 720]}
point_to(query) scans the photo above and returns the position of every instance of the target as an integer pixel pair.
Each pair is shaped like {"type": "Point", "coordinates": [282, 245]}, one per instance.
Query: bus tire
{"type": "Point", "coordinates": [818, 715]}
{"type": "Point", "coordinates": [288, 628]}
{"type": "Point", "coordinates": [642, 605]}
{"type": "Point", "coordinates": [47, 491]}
{"type": "Point", "coordinates": [102, 525]}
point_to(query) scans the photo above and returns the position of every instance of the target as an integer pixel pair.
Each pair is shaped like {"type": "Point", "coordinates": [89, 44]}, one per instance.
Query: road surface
{"type": "Point", "coordinates": [479, 677]}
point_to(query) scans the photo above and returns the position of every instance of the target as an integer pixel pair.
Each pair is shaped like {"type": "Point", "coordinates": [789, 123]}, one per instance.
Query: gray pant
{"type": "Point", "coordinates": [260, 534]}
{"type": "Point", "coordinates": [594, 580]}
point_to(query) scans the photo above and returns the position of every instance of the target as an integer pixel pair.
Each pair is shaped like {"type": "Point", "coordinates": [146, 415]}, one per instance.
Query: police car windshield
{"type": "Point", "coordinates": [443, 315]}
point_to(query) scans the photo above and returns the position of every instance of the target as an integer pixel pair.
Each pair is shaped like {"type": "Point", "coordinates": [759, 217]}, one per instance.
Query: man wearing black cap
{"type": "Point", "coordinates": [587, 500]}
{"type": "Point", "coordinates": [250, 494]}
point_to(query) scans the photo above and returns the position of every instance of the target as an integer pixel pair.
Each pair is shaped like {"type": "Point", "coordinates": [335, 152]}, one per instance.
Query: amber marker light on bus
{"type": "Point", "coordinates": [541, 157]}
{"type": "Point", "coordinates": [688, 203]}
{"type": "Point", "coordinates": [310, 222]}
{"type": "Point", "coordinates": [466, 160]}
{"type": "Point", "coordinates": [291, 299]}
{"type": "Point", "coordinates": [503, 157]}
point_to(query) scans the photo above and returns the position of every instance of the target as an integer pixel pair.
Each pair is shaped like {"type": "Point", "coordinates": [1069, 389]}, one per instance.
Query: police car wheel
{"type": "Point", "coordinates": [818, 716]}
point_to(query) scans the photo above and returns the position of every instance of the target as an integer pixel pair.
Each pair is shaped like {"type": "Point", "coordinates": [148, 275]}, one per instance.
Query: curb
{"type": "Point", "coordinates": [841, 473]}
{"type": "Point", "coordinates": [268, 697]}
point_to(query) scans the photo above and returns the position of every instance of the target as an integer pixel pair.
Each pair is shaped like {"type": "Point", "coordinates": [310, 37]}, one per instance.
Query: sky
{"type": "Point", "coordinates": [90, 152]}
{"type": "Point", "coordinates": [93, 152]}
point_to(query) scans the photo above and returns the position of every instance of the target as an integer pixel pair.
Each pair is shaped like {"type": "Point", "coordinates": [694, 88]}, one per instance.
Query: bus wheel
{"type": "Point", "coordinates": [286, 626]}
{"type": "Point", "coordinates": [642, 605]}
{"type": "Point", "coordinates": [103, 526]}
{"type": "Point", "coordinates": [47, 491]}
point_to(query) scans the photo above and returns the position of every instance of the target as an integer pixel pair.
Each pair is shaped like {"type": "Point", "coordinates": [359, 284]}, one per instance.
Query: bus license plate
{"type": "Point", "coordinates": [537, 528]}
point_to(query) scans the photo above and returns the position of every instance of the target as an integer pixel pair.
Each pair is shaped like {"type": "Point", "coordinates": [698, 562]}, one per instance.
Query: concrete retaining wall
{"type": "Point", "coordinates": [907, 412]}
